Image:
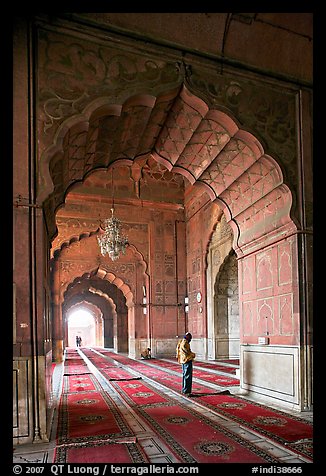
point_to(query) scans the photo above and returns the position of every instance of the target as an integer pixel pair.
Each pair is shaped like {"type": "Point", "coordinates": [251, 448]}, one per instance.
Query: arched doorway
{"type": "Point", "coordinates": [211, 150]}
{"type": "Point", "coordinates": [218, 251]}
{"type": "Point", "coordinates": [82, 322]}
{"type": "Point", "coordinates": [227, 310]}
{"type": "Point", "coordinates": [65, 88]}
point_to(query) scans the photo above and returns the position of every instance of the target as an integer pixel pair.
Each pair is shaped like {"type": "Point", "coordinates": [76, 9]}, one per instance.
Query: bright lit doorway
{"type": "Point", "coordinates": [81, 323]}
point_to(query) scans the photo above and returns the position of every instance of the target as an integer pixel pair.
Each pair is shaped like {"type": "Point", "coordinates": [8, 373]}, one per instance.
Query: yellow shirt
{"type": "Point", "coordinates": [183, 352]}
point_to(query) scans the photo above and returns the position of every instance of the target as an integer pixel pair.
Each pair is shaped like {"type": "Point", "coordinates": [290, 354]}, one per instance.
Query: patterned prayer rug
{"type": "Point", "coordinates": [91, 427]}
{"type": "Point", "coordinates": [100, 452]}
{"type": "Point", "coordinates": [290, 431]}
{"type": "Point", "coordinates": [78, 383]}
{"type": "Point", "coordinates": [190, 435]}
{"type": "Point", "coordinates": [197, 373]}
{"type": "Point", "coordinates": [216, 367]}
{"type": "Point", "coordinates": [220, 380]}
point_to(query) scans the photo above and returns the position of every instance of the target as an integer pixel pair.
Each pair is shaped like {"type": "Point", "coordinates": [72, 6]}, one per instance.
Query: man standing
{"type": "Point", "coordinates": [185, 357]}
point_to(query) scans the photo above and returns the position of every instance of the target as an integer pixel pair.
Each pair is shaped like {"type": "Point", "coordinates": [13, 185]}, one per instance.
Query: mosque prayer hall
{"type": "Point", "coordinates": [162, 184]}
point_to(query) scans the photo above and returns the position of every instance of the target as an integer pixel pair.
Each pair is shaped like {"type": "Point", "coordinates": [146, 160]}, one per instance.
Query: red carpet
{"type": "Point", "coordinates": [202, 375]}
{"type": "Point", "coordinates": [288, 430]}
{"type": "Point", "coordinates": [156, 374]}
{"type": "Point", "coordinates": [76, 383]}
{"type": "Point", "coordinates": [221, 368]}
{"type": "Point", "coordinates": [196, 437]}
{"type": "Point", "coordinates": [197, 373]}
{"type": "Point", "coordinates": [273, 424]}
{"type": "Point", "coordinates": [101, 453]}
{"type": "Point", "coordinates": [87, 415]}
{"type": "Point", "coordinates": [190, 436]}
{"type": "Point", "coordinates": [90, 426]}
{"type": "Point", "coordinates": [230, 361]}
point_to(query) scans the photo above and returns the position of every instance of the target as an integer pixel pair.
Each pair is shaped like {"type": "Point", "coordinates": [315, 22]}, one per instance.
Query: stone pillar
{"type": "Point", "coordinates": [305, 244]}
{"type": "Point", "coordinates": [29, 395]}
{"type": "Point", "coordinates": [57, 341]}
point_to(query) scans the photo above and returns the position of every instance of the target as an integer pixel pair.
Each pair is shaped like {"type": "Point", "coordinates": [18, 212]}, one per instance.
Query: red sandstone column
{"type": "Point", "coordinates": [57, 341]}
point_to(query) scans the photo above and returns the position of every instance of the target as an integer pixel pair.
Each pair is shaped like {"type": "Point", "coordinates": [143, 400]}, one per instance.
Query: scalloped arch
{"type": "Point", "coordinates": [74, 239]}
{"type": "Point", "coordinates": [110, 277]}
{"type": "Point", "coordinates": [80, 304]}
{"type": "Point", "coordinates": [98, 108]}
{"type": "Point", "coordinates": [203, 144]}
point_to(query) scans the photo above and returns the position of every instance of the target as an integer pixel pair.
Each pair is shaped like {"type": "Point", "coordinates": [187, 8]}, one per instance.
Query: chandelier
{"type": "Point", "coordinates": [112, 242]}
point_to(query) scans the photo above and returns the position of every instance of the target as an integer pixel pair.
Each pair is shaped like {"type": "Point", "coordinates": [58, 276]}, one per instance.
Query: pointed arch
{"type": "Point", "coordinates": [188, 136]}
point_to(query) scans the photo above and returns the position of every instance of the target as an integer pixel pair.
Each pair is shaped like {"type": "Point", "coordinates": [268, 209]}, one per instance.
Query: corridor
{"type": "Point", "coordinates": [112, 408]}
{"type": "Point", "coordinates": [162, 184]}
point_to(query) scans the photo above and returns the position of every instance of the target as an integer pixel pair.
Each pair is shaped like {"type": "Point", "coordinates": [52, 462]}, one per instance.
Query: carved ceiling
{"type": "Point", "coordinates": [155, 146]}
{"type": "Point", "coordinates": [153, 139]}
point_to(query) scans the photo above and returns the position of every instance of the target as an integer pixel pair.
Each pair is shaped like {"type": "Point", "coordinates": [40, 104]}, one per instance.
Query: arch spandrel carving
{"type": "Point", "coordinates": [73, 72]}
{"type": "Point", "coordinates": [123, 275]}
{"type": "Point", "coordinates": [266, 109]}
{"type": "Point", "coordinates": [193, 118]}
{"type": "Point", "coordinates": [239, 165]}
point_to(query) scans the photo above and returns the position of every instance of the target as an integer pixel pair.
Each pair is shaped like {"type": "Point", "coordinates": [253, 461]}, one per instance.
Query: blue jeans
{"type": "Point", "coordinates": [187, 377]}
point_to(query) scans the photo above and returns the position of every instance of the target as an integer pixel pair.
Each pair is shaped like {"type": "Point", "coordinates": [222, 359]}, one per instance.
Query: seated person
{"type": "Point", "coordinates": [146, 354]}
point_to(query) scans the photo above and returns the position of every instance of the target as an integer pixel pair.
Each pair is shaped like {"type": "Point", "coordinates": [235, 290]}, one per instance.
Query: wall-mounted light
{"type": "Point", "coordinates": [186, 304]}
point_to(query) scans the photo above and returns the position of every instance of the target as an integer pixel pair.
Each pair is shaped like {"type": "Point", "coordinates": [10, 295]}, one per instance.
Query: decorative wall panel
{"type": "Point", "coordinates": [271, 371]}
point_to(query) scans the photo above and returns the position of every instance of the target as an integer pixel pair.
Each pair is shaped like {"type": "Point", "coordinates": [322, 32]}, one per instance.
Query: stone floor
{"type": "Point", "coordinates": [153, 446]}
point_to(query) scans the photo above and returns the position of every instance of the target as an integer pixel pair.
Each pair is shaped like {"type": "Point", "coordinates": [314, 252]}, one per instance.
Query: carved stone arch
{"type": "Point", "coordinates": [131, 291]}
{"type": "Point", "coordinates": [106, 275]}
{"type": "Point", "coordinates": [115, 300]}
{"type": "Point", "coordinates": [109, 324]}
{"type": "Point", "coordinates": [197, 139]}
{"type": "Point", "coordinates": [104, 272]}
{"type": "Point", "coordinates": [185, 134]}
{"type": "Point", "coordinates": [218, 248]}
{"type": "Point", "coordinates": [87, 230]}
{"type": "Point", "coordinates": [102, 301]}
{"type": "Point", "coordinates": [226, 309]}
{"type": "Point", "coordinates": [82, 302]}
{"type": "Point", "coordinates": [118, 282]}
{"type": "Point", "coordinates": [98, 108]}
{"type": "Point", "coordinates": [223, 265]}
{"type": "Point", "coordinates": [94, 310]}
{"type": "Point", "coordinates": [66, 242]}
{"type": "Point", "coordinates": [96, 263]}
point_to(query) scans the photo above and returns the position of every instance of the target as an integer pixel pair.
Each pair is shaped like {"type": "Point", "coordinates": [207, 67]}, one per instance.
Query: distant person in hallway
{"type": "Point", "coordinates": [78, 341]}
{"type": "Point", "coordinates": [185, 357]}
{"type": "Point", "coordinates": [146, 354]}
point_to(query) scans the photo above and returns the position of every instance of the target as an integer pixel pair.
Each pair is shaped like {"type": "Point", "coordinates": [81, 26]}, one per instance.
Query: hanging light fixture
{"type": "Point", "coordinates": [112, 241]}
